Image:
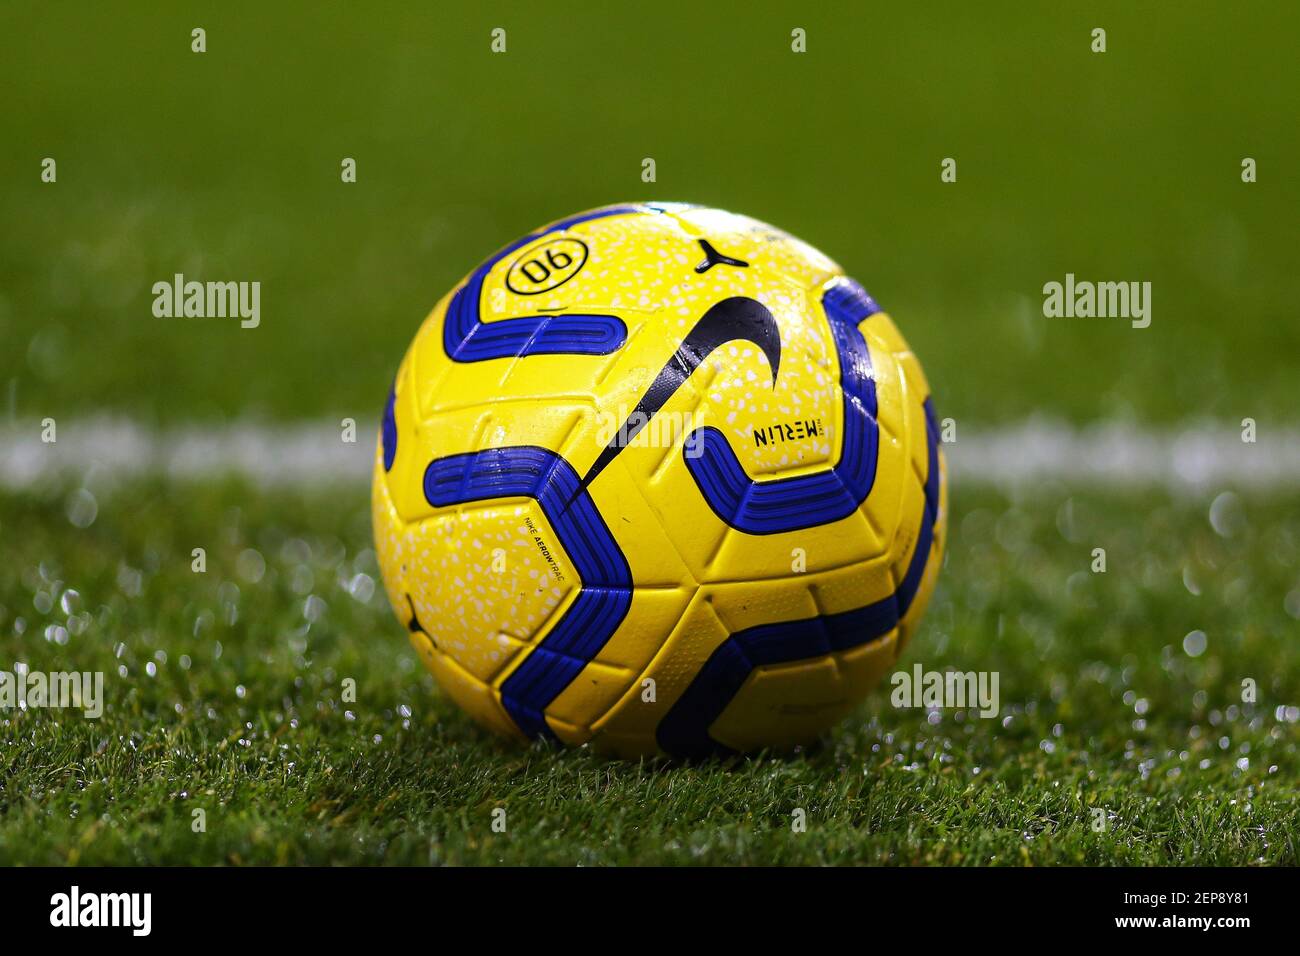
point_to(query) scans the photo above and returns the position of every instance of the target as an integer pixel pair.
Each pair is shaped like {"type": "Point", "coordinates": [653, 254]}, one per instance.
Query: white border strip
{"type": "Point", "coordinates": [1194, 458]}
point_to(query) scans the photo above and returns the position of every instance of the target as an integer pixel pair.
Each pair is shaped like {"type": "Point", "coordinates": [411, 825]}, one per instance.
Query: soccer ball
{"type": "Point", "coordinates": [660, 478]}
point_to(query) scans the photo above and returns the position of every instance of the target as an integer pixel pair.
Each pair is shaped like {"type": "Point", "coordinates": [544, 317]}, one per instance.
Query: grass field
{"type": "Point", "coordinates": [225, 691]}
{"type": "Point", "coordinates": [1121, 691]}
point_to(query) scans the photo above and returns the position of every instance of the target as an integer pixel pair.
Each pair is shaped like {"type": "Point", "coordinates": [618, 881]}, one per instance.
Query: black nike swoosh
{"type": "Point", "coordinates": [736, 318]}
{"type": "Point", "coordinates": [414, 625]}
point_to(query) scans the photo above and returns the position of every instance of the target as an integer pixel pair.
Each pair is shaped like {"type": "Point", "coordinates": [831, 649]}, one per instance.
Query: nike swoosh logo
{"type": "Point", "coordinates": [737, 318]}
{"type": "Point", "coordinates": [414, 625]}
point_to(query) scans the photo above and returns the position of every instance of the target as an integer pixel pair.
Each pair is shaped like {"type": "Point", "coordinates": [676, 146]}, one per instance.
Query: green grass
{"type": "Point", "coordinates": [244, 718]}
{"type": "Point", "coordinates": [225, 165]}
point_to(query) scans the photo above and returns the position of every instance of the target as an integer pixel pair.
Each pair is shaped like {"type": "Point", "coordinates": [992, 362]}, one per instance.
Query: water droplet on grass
{"type": "Point", "coordinates": [130, 581]}
{"type": "Point", "coordinates": [1227, 517]}
{"type": "Point", "coordinates": [1292, 603]}
{"type": "Point", "coordinates": [302, 580]}
{"type": "Point", "coordinates": [250, 565]}
{"type": "Point", "coordinates": [70, 602]}
{"type": "Point", "coordinates": [82, 508]}
{"type": "Point", "coordinates": [314, 608]}
{"type": "Point", "coordinates": [1194, 644]}
{"type": "Point", "coordinates": [362, 587]}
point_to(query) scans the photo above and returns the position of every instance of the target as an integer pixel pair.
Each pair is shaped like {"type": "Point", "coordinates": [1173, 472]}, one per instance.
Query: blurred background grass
{"type": "Point", "coordinates": [225, 165]}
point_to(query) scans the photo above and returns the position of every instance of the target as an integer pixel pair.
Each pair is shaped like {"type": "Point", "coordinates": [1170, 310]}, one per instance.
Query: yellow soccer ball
{"type": "Point", "coordinates": [660, 478]}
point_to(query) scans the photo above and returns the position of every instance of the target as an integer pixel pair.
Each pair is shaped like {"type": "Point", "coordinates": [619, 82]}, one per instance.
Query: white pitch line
{"type": "Point", "coordinates": [1198, 457]}
{"type": "Point", "coordinates": [311, 453]}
